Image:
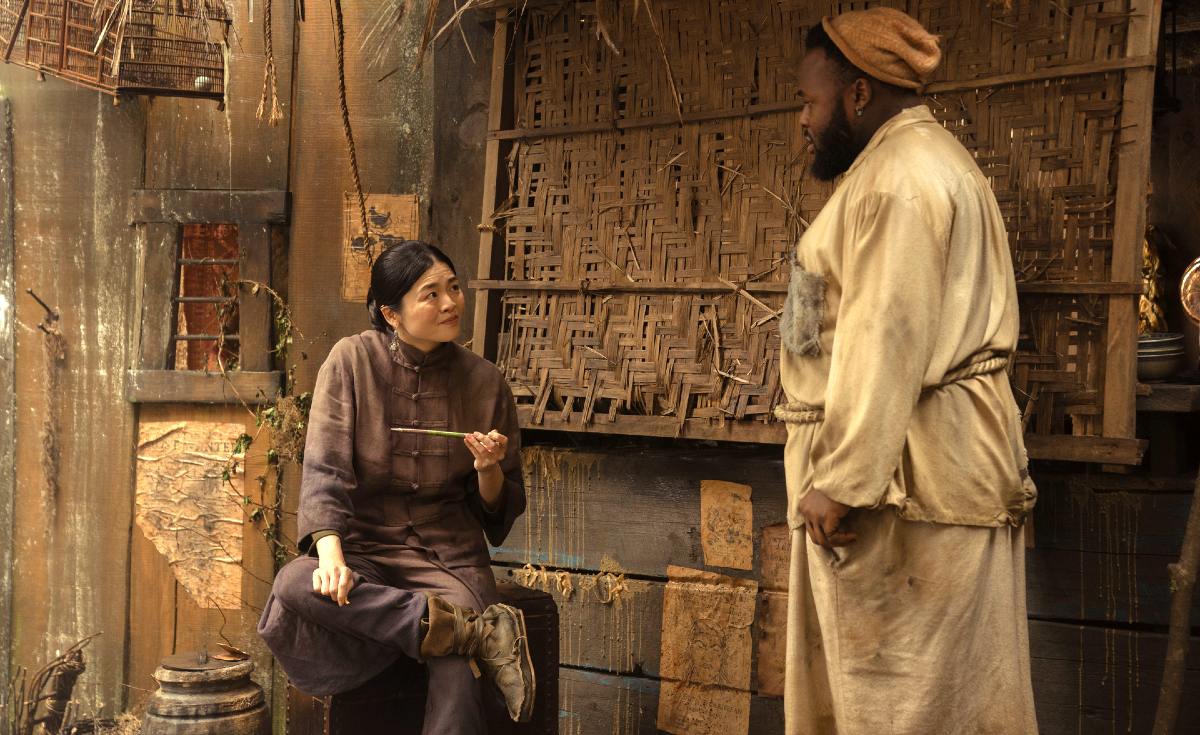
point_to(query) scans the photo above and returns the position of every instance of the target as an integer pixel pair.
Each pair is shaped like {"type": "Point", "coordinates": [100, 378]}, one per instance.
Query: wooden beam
{"type": "Point", "coordinates": [629, 287]}
{"type": "Point", "coordinates": [660, 426]}
{"type": "Point", "coordinates": [485, 332]}
{"type": "Point", "coordinates": [254, 305]}
{"type": "Point", "coordinates": [1102, 449]}
{"type": "Point", "coordinates": [8, 387]}
{"type": "Point", "coordinates": [1129, 223]}
{"type": "Point", "coordinates": [156, 281]}
{"type": "Point", "coordinates": [1168, 398]}
{"type": "Point", "coordinates": [208, 206]}
{"type": "Point", "coordinates": [1091, 287]}
{"type": "Point", "coordinates": [1145, 62]}
{"type": "Point", "coordinates": [1065, 288]}
{"type": "Point", "coordinates": [1140, 62]}
{"type": "Point", "coordinates": [187, 386]}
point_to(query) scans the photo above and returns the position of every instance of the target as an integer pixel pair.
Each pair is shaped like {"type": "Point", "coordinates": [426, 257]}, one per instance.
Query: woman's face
{"type": "Point", "coordinates": [431, 311]}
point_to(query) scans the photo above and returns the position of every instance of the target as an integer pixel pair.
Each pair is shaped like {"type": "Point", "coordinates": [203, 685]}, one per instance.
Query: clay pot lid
{"type": "Point", "coordinates": [197, 661]}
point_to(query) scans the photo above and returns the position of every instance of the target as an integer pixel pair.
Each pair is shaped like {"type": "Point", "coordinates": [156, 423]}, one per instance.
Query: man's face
{"type": "Point", "coordinates": [823, 117]}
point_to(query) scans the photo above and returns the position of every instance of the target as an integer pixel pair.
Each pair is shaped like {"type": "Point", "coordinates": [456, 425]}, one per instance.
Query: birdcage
{"type": "Point", "coordinates": [158, 47]}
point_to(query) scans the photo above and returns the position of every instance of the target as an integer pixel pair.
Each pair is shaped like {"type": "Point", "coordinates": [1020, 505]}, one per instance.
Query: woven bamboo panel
{"type": "Point", "coordinates": [653, 196]}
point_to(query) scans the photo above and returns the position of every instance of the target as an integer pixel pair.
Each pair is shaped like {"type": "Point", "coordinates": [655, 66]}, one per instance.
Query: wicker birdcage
{"type": "Point", "coordinates": [160, 47]}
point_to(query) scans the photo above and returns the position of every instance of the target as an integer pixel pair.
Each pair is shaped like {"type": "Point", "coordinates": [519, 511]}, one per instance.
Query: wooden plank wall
{"type": "Point", "coordinates": [76, 156]}
{"type": "Point", "coordinates": [1097, 583]}
{"type": "Point", "coordinates": [80, 157]}
{"type": "Point", "coordinates": [192, 144]}
{"type": "Point", "coordinates": [629, 511]}
{"type": "Point", "coordinates": [79, 566]}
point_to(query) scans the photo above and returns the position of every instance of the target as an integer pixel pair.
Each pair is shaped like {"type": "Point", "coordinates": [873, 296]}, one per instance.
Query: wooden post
{"type": "Point", "coordinates": [8, 388]}
{"type": "Point", "coordinates": [1129, 222]}
{"type": "Point", "coordinates": [1183, 583]}
{"type": "Point", "coordinates": [487, 302]}
{"type": "Point", "coordinates": [16, 30]}
{"type": "Point", "coordinates": [160, 248]}
{"type": "Point", "coordinates": [254, 309]}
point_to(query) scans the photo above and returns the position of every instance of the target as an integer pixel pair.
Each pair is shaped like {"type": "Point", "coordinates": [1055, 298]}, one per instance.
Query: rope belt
{"type": "Point", "coordinates": [983, 363]}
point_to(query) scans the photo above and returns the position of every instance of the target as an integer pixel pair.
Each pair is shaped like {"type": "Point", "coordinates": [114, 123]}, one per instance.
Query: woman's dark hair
{"type": "Point", "coordinates": [397, 270]}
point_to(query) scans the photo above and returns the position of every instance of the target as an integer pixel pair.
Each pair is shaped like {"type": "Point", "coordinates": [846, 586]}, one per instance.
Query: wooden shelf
{"type": "Point", "coordinates": [1168, 397]}
{"type": "Point", "coordinates": [189, 386]}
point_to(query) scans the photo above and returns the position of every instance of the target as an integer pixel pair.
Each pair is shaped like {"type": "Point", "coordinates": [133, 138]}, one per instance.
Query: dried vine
{"type": "Point", "coordinates": [283, 419]}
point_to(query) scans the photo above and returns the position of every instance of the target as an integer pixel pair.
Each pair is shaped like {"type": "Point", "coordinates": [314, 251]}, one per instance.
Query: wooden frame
{"type": "Point", "coordinates": [1133, 173]}
{"type": "Point", "coordinates": [159, 215]}
{"type": "Point", "coordinates": [491, 242]}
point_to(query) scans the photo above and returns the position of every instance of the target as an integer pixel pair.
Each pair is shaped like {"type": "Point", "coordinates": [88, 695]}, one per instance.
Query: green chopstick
{"type": "Point", "coordinates": [430, 432]}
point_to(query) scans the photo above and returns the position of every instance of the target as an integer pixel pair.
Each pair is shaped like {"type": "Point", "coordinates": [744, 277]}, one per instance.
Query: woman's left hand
{"type": "Point", "coordinates": [489, 449]}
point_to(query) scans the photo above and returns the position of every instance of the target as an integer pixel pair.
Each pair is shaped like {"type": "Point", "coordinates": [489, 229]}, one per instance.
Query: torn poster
{"type": "Point", "coordinates": [391, 218]}
{"type": "Point", "coordinates": [187, 510]}
{"type": "Point", "coordinates": [705, 662]}
{"type": "Point", "coordinates": [726, 524]}
{"type": "Point", "coordinates": [771, 625]}
{"type": "Point", "coordinates": [776, 556]}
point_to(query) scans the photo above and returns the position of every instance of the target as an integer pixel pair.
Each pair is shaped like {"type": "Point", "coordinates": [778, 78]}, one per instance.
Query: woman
{"type": "Point", "coordinates": [396, 520]}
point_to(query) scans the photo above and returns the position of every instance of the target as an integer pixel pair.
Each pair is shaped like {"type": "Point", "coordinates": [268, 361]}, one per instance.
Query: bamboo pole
{"type": "Point", "coordinates": [1183, 582]}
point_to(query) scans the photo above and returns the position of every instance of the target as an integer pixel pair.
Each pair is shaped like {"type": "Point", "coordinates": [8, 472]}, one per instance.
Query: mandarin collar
{"type": "Point", "coordinates": [914, 115]}
{"type": "Point", "coordinates": [413, 357]}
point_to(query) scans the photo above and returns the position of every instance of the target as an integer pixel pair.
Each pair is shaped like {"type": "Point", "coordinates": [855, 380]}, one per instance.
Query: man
{"type": "Point", "coordinates": [906, 471]}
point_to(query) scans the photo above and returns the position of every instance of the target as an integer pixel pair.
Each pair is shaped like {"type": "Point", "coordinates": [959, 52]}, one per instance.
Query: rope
{"type": "Point", "coordinates": [270, 80]}
{"type": "Point", "coordinates": [799, 413]}
{"type": "Point", "coordinates": [340, 41]}
{"type": "Point", "coordinates": [981, 364]}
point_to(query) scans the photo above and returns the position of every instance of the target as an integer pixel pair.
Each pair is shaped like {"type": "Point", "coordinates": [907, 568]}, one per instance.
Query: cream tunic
{"type": "Point", "coordinates": [917, 627]}
{"type": "Point", "coordinates": [919, 282]}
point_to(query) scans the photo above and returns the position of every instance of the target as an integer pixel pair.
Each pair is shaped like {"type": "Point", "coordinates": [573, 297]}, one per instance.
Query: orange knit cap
{"type": "Point", "coordinates": [887, 44]}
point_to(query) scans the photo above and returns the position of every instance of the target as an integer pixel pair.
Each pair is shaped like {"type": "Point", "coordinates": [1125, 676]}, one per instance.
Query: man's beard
{"type": "Point", "coordinates": [836, 149]}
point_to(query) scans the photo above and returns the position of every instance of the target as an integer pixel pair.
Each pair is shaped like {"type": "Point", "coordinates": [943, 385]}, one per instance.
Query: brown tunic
{"type": "Point", "coordinates": [408, 509]}
{"type": "Point", "coordinates": [361, 478]}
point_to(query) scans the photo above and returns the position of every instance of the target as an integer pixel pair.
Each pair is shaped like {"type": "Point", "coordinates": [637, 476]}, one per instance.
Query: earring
{"type": "Point", "coordinates": [394, 345]}
{"type": "Point", "coordinates": [858, 111]}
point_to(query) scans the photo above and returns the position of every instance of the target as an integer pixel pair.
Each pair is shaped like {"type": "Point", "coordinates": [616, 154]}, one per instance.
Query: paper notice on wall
{"type": "Point", "coordinates": [772, 644]}
{"type": "Point", "coordinates": [771, 625]}
{"type": "Point", "coordinates": [696, 709]}
{"type": "Point", "coordinates": [391, 218]}
{"type": "Point", "coordinates": [726, 524]}
{"type": "Point", "coordinates": [706, 650]}
{"type": "Point", "coordinates": [187, 509]}
{"type": "Point", "coordinates": [775, 556]}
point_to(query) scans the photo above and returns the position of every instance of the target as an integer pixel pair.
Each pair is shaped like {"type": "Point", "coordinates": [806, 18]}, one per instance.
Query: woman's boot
{"type": "Point", "coordinates": [495, 638]}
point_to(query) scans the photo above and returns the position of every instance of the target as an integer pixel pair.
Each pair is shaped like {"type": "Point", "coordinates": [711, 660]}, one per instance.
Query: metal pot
{"type": "Point", "coordinates": [1160, 366]}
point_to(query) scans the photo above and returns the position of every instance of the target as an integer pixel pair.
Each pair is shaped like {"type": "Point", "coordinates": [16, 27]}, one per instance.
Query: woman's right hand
{"type": "Point", "coordinates": [332, 577]}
